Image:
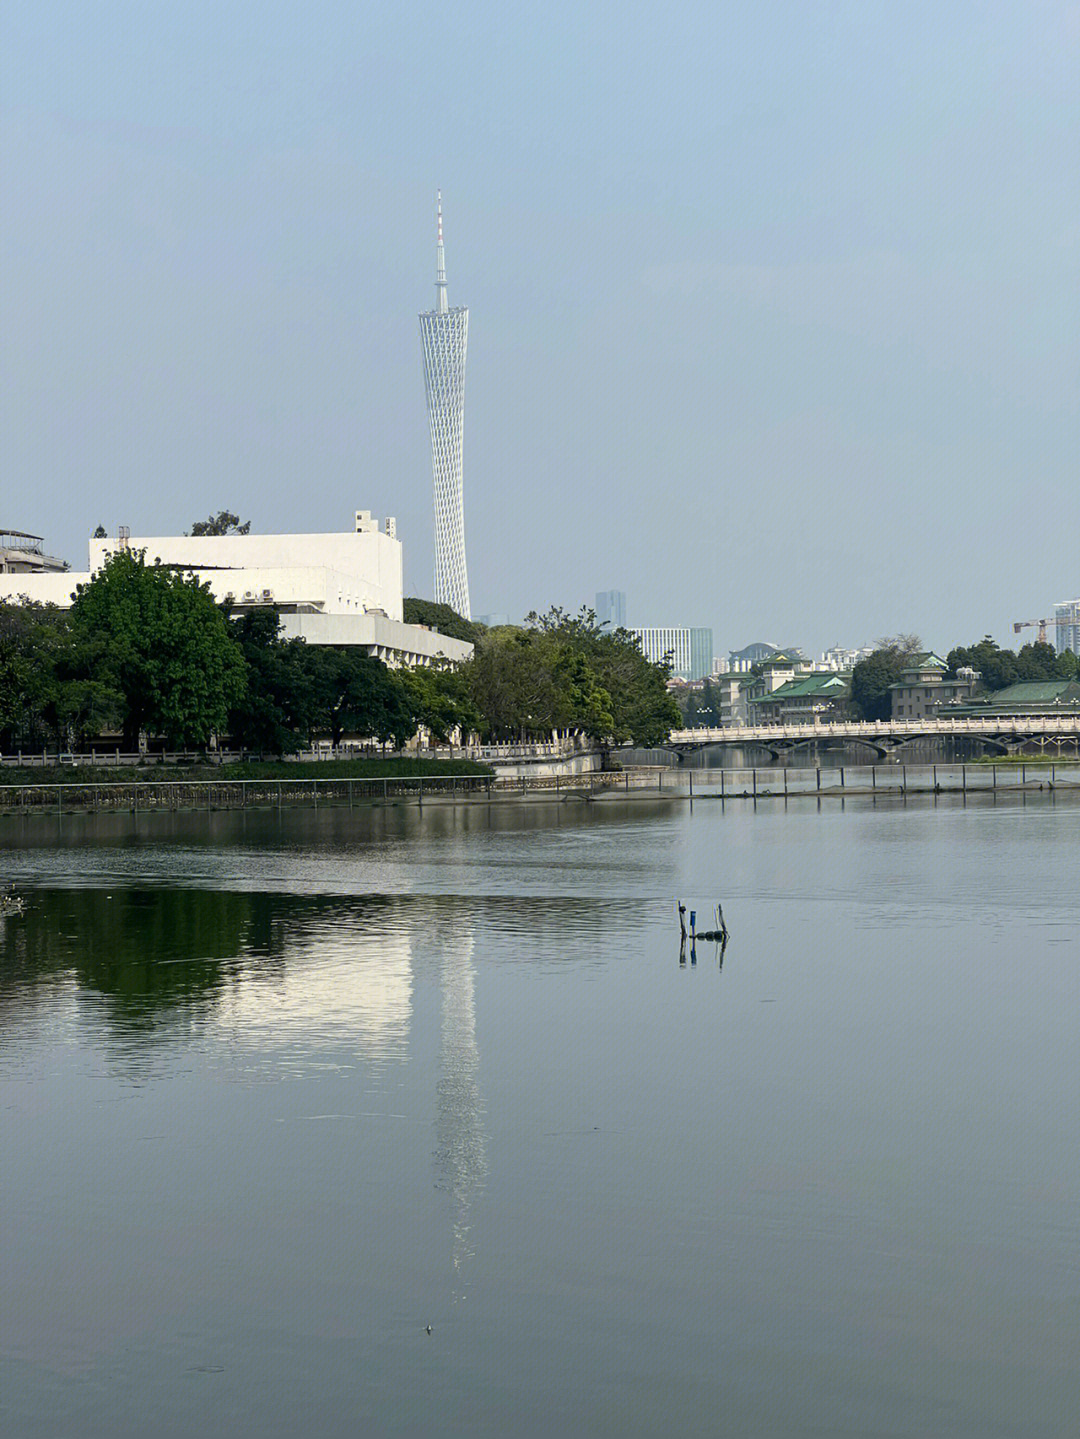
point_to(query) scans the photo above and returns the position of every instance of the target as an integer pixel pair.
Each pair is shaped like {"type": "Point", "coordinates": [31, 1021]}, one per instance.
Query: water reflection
{"type": "Point", "coordinates": [461, 1156]}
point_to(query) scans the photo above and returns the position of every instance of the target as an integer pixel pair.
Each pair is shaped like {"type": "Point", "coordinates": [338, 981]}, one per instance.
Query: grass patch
{"type": "Point", "coordinates": [1015, 761]}
{"type": "Point", "coordinates": [376, 767]}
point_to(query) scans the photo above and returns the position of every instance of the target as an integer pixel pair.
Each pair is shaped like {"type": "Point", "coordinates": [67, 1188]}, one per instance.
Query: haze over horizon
{"type": "Point", "coordinates": [773, 310]}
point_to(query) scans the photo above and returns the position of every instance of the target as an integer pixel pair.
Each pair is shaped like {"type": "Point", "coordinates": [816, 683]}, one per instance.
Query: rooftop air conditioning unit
{"type": "Point", "coordinates": [268, 594]}
{"type": "Point", "coordinates": [249, 595]}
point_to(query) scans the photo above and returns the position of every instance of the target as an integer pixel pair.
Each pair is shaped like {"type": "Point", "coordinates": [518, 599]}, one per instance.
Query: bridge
{"type": "Point", "coordinates": [1004, 735]}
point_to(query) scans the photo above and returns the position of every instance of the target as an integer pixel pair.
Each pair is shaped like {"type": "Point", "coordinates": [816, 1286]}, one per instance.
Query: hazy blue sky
{"type": "Point", "coordinates": [774, 307]}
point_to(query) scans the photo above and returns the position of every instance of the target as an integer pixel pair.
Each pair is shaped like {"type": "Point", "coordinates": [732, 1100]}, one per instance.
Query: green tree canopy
{"type": "Point", "coordinates": [50, 689]}
{"type": "Point", "coordinates": [274, 712]}
{"type": "Point", "coordinates": [163, 646]}
{"type": "Point", "coordinates": [441, 618]}
{"type": "Point", "coordinates": [873, 677]}
{"type": "Point", "coordinates": [441, 700]}
{"type": "Point", "coordinates": [354, 693]}
{"type": "Point", "coordinates": [564, 672]}
{"type": "Point", "coordinates": [223, 523]}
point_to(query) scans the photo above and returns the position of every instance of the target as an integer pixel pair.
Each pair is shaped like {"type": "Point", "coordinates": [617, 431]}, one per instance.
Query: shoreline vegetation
{"type": "Point", "coordinates": [146, 655]}
{"type": "Point", "coordinates": [153, 772]}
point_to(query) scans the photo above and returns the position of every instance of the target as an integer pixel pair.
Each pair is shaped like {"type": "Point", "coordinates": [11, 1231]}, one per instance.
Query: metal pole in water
{"type": "Point", "coordinates": [753, 776]}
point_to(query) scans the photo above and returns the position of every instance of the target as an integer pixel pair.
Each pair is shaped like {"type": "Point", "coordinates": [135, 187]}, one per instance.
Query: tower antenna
{"type": "Point", "coordinates": [440, 261]}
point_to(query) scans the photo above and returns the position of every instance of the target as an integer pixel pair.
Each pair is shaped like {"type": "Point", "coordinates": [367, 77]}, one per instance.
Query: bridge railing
{"type": "Point", "coordinates": [1064, 725]}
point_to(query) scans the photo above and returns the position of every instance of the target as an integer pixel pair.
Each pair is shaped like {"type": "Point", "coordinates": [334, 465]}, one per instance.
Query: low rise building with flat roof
{"type": "Point", "coordinates": [23, 554]}
{"type": "Point", "coordinates": [340, 589]}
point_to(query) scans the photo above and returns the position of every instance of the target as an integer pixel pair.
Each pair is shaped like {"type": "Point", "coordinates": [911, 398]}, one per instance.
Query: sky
{"type": "Point", "coordinates": [774, 307]}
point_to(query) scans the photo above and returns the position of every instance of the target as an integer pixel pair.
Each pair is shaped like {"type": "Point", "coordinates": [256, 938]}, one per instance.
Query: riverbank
{"type": "Point", "coordinates": [294, 788]}
{"type": "Point", "coordinates": [378, 767]}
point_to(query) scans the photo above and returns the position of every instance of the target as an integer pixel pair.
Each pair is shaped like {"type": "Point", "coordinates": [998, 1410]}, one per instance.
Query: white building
{"type": "Point", "coordinates": [21, 554]}
{"type": "Point", "coordinates": [1067, 627]}
{"type": "Point", "coordinates": [330, 589]}
{"type": "Point", "coordinates": [689, 650]}
{"type": "Point", "coordinates": [841, 660]}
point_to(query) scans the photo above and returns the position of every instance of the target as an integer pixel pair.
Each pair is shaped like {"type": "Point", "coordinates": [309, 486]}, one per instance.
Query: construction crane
{"type": "Point", "coordinates": [1019, 625]}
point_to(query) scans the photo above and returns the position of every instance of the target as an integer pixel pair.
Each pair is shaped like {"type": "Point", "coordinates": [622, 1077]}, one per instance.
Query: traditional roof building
{"type": "Point", "coordinates": [1028, 697]}
{"type": "Point", "coordinates": [807, 699]}
{"type": "Point", "coordinates": [924, 686]}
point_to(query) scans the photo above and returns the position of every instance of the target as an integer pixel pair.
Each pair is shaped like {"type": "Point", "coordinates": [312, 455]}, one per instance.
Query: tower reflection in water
{"type": "Point", "coordinates": [461, 1153]}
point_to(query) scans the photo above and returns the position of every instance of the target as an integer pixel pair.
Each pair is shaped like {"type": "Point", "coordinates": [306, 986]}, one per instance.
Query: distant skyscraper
{"type": "Point", "coordinates": [688, 650]}
{"type": "Point", "coordinates": [445, 333]}
{"type": "Point", "coordinates": [611, 609]}
{"type": "Point", "coordinates": [1067, 627]}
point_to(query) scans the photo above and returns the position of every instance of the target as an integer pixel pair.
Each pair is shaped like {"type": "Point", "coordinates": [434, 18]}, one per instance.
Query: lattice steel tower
{"type": "Point", "coordinates": [445, 333]}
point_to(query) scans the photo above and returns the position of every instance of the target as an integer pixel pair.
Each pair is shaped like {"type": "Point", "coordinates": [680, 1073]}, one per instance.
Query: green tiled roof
{"type": "Point", "coordinates": [829, 686]}
{"type": "Point", "coordinates": [1026, 696]}
{"type": "Point", "coordinates": [1037, 692]}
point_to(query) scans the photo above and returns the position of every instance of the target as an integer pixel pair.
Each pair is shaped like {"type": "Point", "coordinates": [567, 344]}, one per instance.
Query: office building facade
{"type": "Point", "coordinates": [1067, 627]}
{"type": "Point", "coordinates": [611, 609]}
{"type": "Point", "coordinates": [689, 651]}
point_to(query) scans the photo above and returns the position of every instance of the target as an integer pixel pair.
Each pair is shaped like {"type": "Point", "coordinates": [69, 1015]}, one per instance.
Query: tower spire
{"type": "Point", "coordinates": [440, 262]}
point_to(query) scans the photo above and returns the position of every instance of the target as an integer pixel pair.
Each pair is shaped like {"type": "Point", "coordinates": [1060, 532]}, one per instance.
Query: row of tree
{"type": "Point", "coordinates": [145, 649]}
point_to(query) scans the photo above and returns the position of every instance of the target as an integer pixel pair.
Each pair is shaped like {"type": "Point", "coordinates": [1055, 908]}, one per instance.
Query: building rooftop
{"type": "Point", "coordinates": [1026, 697]}
{"type": "Point", "coordinates": [830, 685]}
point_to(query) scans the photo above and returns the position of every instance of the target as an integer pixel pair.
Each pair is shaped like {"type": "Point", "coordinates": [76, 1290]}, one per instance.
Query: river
{"type": "Point", "coordinates": [279, 1091]}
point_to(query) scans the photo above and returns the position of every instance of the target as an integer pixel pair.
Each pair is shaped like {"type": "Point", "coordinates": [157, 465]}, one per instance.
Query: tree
{"type": "Point", "coordinates": [355, 693]}
{"type": "Point", "coordinates": [274, 712]}
{"type": "Point", "coordinates": [223, 523]}
{"type": "Point", "coordinates": [565, 673]}
{"type": "Point", "coordinates": [163, 646]}
{"type": "Point", "coordinates": [873, 677]}
{"type": "Point", "coordinates": [441, 701]}
{"type": "Point", "coordinates": [100, 533]}
{"type": "Point", "coordinates": [996, 667]}
{"type": "Point", "coordinates": [49, 691]}
{"type": "Point", "coordinates": [441, 618]}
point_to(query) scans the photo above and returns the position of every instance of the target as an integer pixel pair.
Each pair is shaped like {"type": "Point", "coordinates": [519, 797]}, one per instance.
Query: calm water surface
{"type": "Point", "coordinates": [279, 1091]}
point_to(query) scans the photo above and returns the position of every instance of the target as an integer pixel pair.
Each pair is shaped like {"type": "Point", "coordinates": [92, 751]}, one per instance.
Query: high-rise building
{"type": "Point", "coordinates": [1067, 627]}
{"type": "Point", "coordinates": [689, 650]}
{"type": "Point", "coordinates": [445, 333]}
{"type": "Point", "coordinates": [611, 609]}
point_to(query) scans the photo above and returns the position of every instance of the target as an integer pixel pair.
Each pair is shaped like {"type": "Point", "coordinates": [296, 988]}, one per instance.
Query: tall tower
{"type": "Point", "coordinates": [445, 333]}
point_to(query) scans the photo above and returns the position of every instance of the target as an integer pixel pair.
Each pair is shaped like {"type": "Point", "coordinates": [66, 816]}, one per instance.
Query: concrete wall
{"type": "Point", "coordinates": [387, 639]}
{"type": "Point", "coordinates": [46, 588]}
{"type": "Point", "coordinates": [368, 565]}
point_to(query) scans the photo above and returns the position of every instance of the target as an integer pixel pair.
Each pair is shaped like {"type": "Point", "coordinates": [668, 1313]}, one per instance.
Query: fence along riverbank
{"type": "Point", "coordinates": [145, 796]}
